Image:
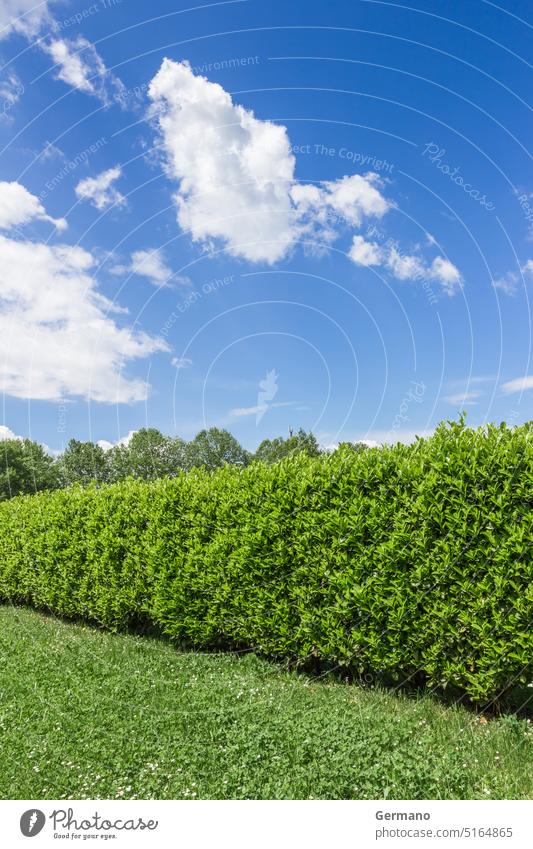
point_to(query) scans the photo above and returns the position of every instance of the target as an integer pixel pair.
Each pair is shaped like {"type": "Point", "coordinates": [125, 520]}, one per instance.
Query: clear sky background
{"type": "Point", "coordinates": [323, 220]}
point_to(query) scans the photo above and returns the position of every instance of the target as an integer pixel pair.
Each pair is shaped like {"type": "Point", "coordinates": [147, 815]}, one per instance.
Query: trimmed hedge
{"type": "Point", "coordinates": [401, 561]}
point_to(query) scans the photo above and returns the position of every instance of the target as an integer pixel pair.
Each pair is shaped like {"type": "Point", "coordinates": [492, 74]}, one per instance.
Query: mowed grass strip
{"type": "Point", "coordinates": [88, 714]}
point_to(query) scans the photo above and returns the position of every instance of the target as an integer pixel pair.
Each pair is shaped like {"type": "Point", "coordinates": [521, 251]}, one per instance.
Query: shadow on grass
{"type": "Point", "coordinates": [513, 702]}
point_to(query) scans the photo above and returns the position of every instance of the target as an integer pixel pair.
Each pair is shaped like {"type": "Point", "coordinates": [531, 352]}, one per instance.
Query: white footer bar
{"type": "Point", "coordinates": [275, 824]}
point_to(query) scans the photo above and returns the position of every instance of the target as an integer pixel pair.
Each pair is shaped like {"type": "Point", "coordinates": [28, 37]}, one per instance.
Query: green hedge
{"type": "Point", "coordinates": [402, 561]}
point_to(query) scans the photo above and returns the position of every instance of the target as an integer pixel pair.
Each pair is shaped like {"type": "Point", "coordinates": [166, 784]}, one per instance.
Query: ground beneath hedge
{"type": "Point", "coordinates": [86, 714]}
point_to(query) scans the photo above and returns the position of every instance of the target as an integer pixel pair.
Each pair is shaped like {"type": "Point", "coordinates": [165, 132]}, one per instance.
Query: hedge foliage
{"type": "Point", "coordinates": [401, 561]}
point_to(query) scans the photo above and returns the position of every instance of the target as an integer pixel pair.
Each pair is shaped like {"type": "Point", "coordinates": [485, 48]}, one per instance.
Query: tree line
{"type": "Point", "coordinates": [26, 467]}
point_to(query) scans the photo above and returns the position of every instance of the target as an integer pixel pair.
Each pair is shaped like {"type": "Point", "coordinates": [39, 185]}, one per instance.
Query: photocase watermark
{"type": "Point", "coordinates": [226, 64]}
{"type": "Point", "coordinates": [365, 160]}
{"type": "Point", "coordinates": [527, 207]}
{"type": "Point", "coordinates": [10, 91]}
{"type": "Point", "coordinates": [80, 159]}
{"type": "Point", "coordinates": [137, 92]}
{"type": "Point", "coordinates": [436, 155]}
{"type": "Point", "coordinates": [418, 275]}
{"type": "Point", "coordinates": [62, 416]}
{"type": "Point", "coordinates": [126, 96]}
{"type": "Point", "coordinates": [192, 297]}
{"type": "Point", "coordinates": [268, 389]}
{"type": "Point", "coordinates": [414, 395]}
{"type": "Point", "coordinates": [32, 822]}
{"type": "Point", "coordinates": [97, 823]}
{"type": "Point", "coordinates": [65, 825]}
{"type": "Point", "coordinates": [79, 17]}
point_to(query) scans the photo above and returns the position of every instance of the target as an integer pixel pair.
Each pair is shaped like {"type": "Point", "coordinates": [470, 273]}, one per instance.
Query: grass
{"type": "Point", "coordinates": [87, 714]}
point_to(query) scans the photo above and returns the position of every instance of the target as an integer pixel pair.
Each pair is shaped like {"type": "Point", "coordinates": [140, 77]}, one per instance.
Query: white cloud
{"type": "Point", "coordinates": [332, 446]}
{"type": "Point", "coordinates": [406, 266]}
{"type": "Point", "coordinates": [57, 338]}
{"type": "Point", "coordinates": [351, 198]}
{"type": "Point", "coordinates": [104, 444]}
{"type": "Point", "coordinates": [518, 384]}
{"type": "Point", "coordinates": [100, 190]}
{"type": "Point", "coordinates": [18, 206]}
{"type": "Point", "coordinates": [25, 17]}
{"type": "Point", "coordinates": [527, 268]}
{"type": "Point", "coordinates": [320, 209]}
{"type": "Point", "coordinates": [240, 412]}
{"type": "Point", "coordinates": [181, 362]}
{"type": "Point", "coordinates": [445, 273]}
{"type": "Point", "coordinates": [11, 90]}
{"type": "Point", "coordinates": [51, 151]}
{"type": "Point", "coordinates": [374, 438]}
{"type": "Point", "coordinates": [237, 185]}
{"type": "Point", "coordinates": [235, 171]}
{"type": "Point", "coordinates": [71, 66]}
{"type": "Point", "coordinates": [151, 264]}
{"type": "Point", "coordinates": [392, 436]}
{"type": "Point", "coordinates": [107, 446]}
{"type": "Point", "coordinates": [509, 283]}
{"type": "Point", "coordinates": [357, 197]}
{"type": "Point", "coordinates": [78, 64]}
{"type": "Point", "coordinates": [6, 433]}
{"type": "Point", "coordinates": [463, 399]}
{"type": "Point", "coordinates": [365, 253]}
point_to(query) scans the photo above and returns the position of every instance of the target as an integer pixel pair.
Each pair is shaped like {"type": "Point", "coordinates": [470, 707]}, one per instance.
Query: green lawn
{"type": "Point", "coordinates": [85, 714]}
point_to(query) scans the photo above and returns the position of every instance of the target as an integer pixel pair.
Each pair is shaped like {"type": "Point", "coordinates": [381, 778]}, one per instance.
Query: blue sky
{"type": "Point", "coordinates": [312, 215]}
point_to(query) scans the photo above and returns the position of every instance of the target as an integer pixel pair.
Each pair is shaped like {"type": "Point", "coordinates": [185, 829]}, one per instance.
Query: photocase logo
{"type": "Point", "coordinates": [32, 822]}
{"type": "Point", "coordinates": [268, 388]}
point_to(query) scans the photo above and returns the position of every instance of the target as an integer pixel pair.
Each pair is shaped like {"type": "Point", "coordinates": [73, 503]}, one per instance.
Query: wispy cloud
{"type": "Point", "coordinates": [100, 190]}
{"type": "Point", "coordinates": [404, 266]}
{"type": "Point", "coordinates": [25, 17]}
{"type": "Point", "coordinates": [517, 384]}
{"type": "Point", "coordinates": [239, 412]}
{"type": "Point", "coordinates": [509, 282]}
{"type": "Point", "coordinates": [466, 392]}
{"type": "Point", "coordinates": [180, 362]}
{"type": "Point", "coordinates": [152, 265]}
{"type": "Point", "coordinates": [465, 399]}
{"type": "Point", "coordinates": [11, 90]}
{"type": "Point", "coordinates": [78, 64]}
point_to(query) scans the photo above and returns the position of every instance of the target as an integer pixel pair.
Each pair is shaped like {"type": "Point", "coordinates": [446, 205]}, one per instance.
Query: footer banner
{"type": "Point", "coordinates": [276, 824]}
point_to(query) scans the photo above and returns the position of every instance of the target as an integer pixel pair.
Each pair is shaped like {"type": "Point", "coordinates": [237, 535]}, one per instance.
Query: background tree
{"type": "Point", "coordinates": [272, 450]}
{"type": "Point", "coordinates": [83, 462]}
{"type": "Point", "coordinates": [213, 448]}
{"type": "Point", "coordinates": [148, 455]}
{"type": "Point", "coordinates": [352, 446]}
{"type": "Point", "coordinates": [25, 467]}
